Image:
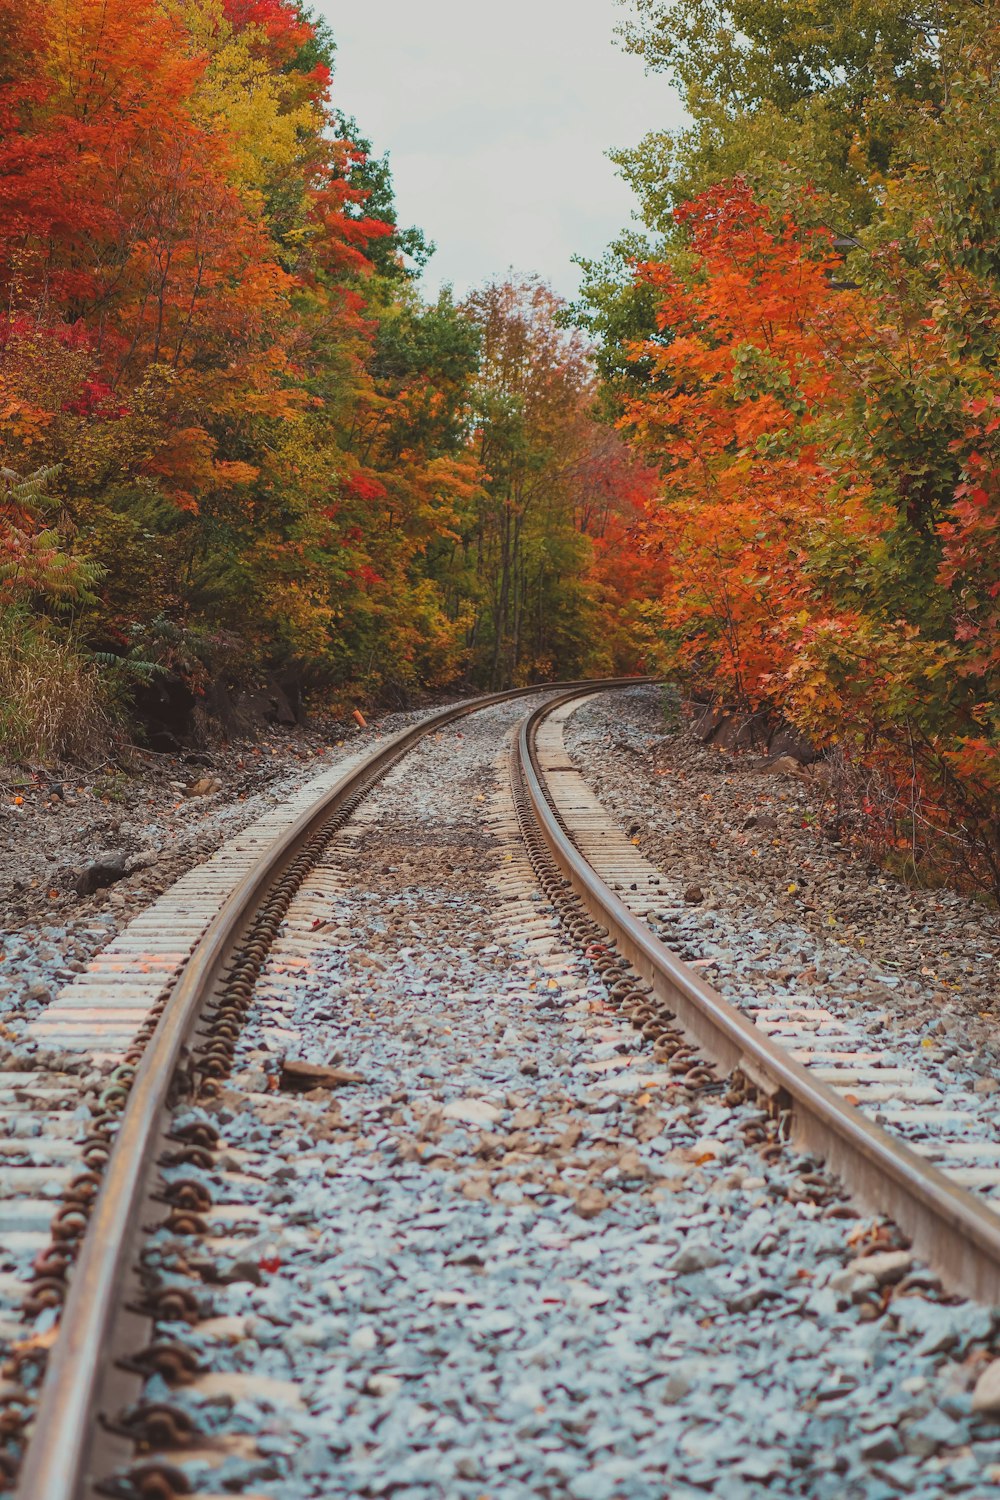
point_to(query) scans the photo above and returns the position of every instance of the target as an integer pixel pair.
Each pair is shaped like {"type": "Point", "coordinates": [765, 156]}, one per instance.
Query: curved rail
{"type": "Point", "coordinates": [950, 1228]}
{"type": "Point", "coordinates": [58, 1467]}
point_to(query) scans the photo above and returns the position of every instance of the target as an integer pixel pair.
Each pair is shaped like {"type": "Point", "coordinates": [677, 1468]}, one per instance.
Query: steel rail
{"type": "Point", "coordinates": [58, 1462]}
{"type": "Point", "coordinates": [950, 1228]}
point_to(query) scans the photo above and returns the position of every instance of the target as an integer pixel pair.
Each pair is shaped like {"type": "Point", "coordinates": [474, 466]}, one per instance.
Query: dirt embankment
{"type": "Point", "coordinates": [84, 851]}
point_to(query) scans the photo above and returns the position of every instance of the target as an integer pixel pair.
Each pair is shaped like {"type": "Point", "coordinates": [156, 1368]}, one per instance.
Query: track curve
{"type": "Point", "coordinates": [953, 1230]}
{"type": "Point", "coordinates": [69, 1409]}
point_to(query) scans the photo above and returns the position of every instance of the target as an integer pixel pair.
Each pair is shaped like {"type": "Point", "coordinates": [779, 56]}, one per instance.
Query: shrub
{"type": "Point", "coordinates": [55, 702]}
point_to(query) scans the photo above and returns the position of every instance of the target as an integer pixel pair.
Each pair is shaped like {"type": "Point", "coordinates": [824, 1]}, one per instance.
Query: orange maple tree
{"type": "Point", "coordinates": [826, 529]}
{"type": "Point", "coordinates": [751, 353]}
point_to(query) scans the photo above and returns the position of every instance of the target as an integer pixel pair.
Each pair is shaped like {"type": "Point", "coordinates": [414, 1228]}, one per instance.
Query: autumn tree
{"type": "Point", "coordinates": [793, 96]}
{"type": "Point", "coordinates": [265, 454]}
{"type": "Point", "coordinates": [552, 477]}
{"type": "Point", "coordinates": [826, 529]}
{"type": "Point", "coordinates": [210, 340]}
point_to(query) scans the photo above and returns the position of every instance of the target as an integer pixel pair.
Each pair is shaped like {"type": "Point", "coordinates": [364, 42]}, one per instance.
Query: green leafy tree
{"type": "Point", "coordinates": [794, 95]}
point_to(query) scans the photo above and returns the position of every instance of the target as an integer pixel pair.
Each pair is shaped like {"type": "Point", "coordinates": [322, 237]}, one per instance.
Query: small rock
{"type": "Point", "coordinates": [933, 1431]}
{"type": "Point", "coordinates": [887, 1267]}
{"type": "Point", "coordinates": [253, 1080]}
{"type": "Point", "coordinates": [675, 1387]}
{"type": "Point", "coordinates": [881, 1446]}
{"type": "Point", "coordinates": [593, 1484]}
{"type": "Point", "coordinates": [144, 860]}
{"type": "Point", "coordinates": [101, 872]}
{"type": "Point", "coordinates": [986, 1396]}
{"type": "Point", "coordinates": [205, 786]}
{"type": "Point", "coordinates": [236, 1385]}
{"type": "Point", "coordinates": [299, 1077]}
{"type": "Point", "coordinates": [698, 1256]}
{"type": "Point", "coordinates": [275, 1111]}
{"type": "Point", "coordinates": [746, 1301]}
{"type": "Point", "coordinates": [383, 1385]}
{"type": "Point", "coordinates": [760, 820]}
{"type": "Point", "coordinates": [693, 895]}
{"type": "Point", "coordinates": [590, 1203]}
{"type": "Point", "coordinates": [363, 1340]}
{"type": "Point", "coordinates": [647, 1126]}
{"type": "Point", "coordinates": [940, 1327]}
{"type": "Point", "coordinates": [862, 1287]}
{"type": "Point", "coordinates": [632, 1167]}
{"type": "Point", "coordinates": [586, 1296]}
{"type": "Point", "coordinates": [230, 1329]}
{"type": "Point", "coordinates": [432, 1125]}
{"type": "Point", "coordinates": [856, 1284]}
{"type": "Point", "coordinates": [241, 1270]}
{"type": "Point", "coordinates": [785, 765]}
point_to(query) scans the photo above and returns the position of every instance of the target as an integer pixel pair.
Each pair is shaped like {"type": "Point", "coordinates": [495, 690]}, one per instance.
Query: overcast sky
{"type": "Point", "coordinates": [497, 117]}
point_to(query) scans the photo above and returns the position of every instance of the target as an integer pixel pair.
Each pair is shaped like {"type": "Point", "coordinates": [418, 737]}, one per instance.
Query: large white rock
{"type": "Point", "coordinates": [986, 1396]}
{"type": "Point", "coordinates": [886, 1266]}
{"type": "Point", "coordinates": [472, 1111]}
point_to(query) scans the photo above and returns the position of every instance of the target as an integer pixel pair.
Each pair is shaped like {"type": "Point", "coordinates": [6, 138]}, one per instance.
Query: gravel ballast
{"type": "Point", "coordinates": [56, 827]}
{"type": "Point", "coordinates": [773, 914]}
{"type": "Point", "coordinates": [749, 839]}
{"type": "Point", "coordinates": [505, 1254]}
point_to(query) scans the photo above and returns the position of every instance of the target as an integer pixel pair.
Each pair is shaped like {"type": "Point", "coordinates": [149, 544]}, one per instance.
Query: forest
{"type": "Point", "coordinates": [237, 445]}
{"type": "Point", "coordinates": [759, 455]}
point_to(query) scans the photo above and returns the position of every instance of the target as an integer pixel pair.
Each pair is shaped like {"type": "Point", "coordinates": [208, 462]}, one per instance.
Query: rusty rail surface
{"type": "Point", "coordinates": [62, 1453]}
{"type": "Point", "coordinates": [950, 1228]}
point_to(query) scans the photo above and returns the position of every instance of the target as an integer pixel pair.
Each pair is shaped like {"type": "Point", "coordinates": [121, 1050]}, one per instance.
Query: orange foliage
{"type": "Point", "coordinates": [750, 357]}
{"type": "Point", "coordinates": [827, 531]}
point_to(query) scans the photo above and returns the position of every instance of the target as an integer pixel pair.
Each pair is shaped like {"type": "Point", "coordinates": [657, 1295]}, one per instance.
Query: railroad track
{"type": "Point", "coordinates": [206, 941]}
{"type": "Point", "coordinates": [152, 1151]}
{"type": "Point", "coordinates": [774, 1046]}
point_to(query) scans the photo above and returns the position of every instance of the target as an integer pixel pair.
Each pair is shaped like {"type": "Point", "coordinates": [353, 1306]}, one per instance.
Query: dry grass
{"type": "Point", "coordinates": [54, 702]}
{"type": "Point", "coordinates": [923, 831]}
